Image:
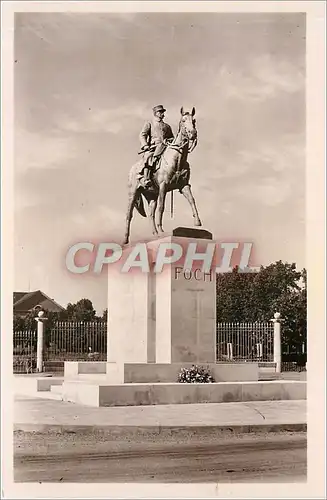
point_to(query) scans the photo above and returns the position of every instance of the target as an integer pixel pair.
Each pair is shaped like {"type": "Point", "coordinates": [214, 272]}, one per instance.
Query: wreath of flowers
{"type": "Point", "coordinates": [195, 375]}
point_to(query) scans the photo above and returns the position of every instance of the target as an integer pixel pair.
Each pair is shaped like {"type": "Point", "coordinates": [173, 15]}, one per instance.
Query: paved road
{"type": "Point", "coordinates": [249, 458]}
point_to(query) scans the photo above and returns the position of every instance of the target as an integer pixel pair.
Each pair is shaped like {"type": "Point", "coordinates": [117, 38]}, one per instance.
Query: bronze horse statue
{"type": "Point", "coordinates": [173, 173]}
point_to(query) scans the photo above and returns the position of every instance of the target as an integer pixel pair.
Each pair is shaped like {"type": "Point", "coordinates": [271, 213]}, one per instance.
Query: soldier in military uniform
{"type": "Point", "coordinates": [152, 138]}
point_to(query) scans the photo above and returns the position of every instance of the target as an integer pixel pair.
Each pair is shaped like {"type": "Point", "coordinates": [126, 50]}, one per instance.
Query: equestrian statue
{"type": "Point", "coordinates": [163, 168]}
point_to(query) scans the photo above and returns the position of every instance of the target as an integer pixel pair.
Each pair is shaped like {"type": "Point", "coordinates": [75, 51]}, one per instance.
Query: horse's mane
{"type": "Point", "coordinates": [185, 113]}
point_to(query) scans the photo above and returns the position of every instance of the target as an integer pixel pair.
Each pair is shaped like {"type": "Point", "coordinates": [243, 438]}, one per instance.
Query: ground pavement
{"type": "Point", "coordinates": [255, 441]}
{"type": "Point", "coordinates": [39, 414]}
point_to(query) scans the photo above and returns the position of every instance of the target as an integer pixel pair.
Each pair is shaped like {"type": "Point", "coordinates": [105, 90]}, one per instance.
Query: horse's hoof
{"type": "Point", "coordinates": [125, 242]}
{"type": "Point", "coordinates": [198, 223]}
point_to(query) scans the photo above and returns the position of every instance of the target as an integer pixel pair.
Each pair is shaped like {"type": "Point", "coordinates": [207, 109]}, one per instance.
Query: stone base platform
{"type": "Point", "coordinates": [135, 384]}
{"type": "Point", "coordinates": [33, 384]}
{"type": "Point", "coordinates": [99, 393]}
{"type": "Point", "coordinates": [128, 373]}
{"type": "Point", "coordinates": [101, 384]}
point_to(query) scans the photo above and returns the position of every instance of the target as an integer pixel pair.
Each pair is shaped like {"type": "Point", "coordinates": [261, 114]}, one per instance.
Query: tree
{"type": "Point", "coordinates": [81, 311]}
{"type": "Point", "coordinates": [270, 284]}
{"type": "Point", "coordinates": [105, 315]}
{"type": "Point", "coordinates": [19, 323]}
{"type": "Point", "coordinates": [25, 323]}
{"type": "Point", "coordinates": [28, 321]}
{"type": "Point", "coordinates": [247, 297]}
{"type": "Point", "coordinates": [293, 307]}
{"type": "Point", "coordinates": [234, 296]}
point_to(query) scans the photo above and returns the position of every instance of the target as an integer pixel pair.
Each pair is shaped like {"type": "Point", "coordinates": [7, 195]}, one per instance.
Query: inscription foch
{"type": "Point", "coordinates": [193, 274]}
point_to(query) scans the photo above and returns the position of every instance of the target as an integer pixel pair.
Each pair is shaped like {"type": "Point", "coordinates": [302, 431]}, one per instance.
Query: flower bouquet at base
{"type": "Point", "coordinates": [195, 375]}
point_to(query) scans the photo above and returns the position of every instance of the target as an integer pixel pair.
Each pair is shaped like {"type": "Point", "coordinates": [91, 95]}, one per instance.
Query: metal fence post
{"type": "Point", "coordinates": [40, 341]}
{"type": "Point", "coordinates": [277, 341]}
{"type": "Point", "coordinates": [230, 351]}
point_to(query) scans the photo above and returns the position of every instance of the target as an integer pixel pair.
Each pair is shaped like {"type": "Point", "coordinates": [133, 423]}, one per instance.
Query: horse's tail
{"type": "Point", "coordinates": [139, 205]}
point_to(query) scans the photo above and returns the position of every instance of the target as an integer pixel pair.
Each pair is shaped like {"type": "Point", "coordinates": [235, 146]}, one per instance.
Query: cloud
{"type": "Point", "coordinates": [112, 120]}
{"type": "Point", "coordinates": [98, 215]}
{"type": "Point", "coordinates": [85, 83]}
{"type": "Point", "coordinates": [34, 150]}
{"type": "Point", "coordinates": [265, 175]}
{"type": "Point", "coordinates": [286, 155]}
{"type": "Point", "coordinates": [269, 191]}
{"type": "Point", "coordinates": [264, 78]}
{"type": "Point", "coordinates": [59, 29]}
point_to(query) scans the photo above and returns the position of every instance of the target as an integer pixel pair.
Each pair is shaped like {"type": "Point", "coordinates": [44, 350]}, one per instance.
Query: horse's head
{"type": "Point", "coordinates": [187, 126]}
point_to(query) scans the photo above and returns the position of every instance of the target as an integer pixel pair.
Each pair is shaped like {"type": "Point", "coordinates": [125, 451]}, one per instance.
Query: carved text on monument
{"type": "Point", "coordinates": [196, 274]}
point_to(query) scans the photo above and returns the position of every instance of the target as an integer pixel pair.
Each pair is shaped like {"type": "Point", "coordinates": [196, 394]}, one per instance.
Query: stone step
{"type": "Point", "coordinates": [269, 376]}
{"type": "Point", "coordinates": [267, 364]}
{"type": "Point", "coordinates": [92, 376]}
{"type": "Point", "coordinates": [31, 385]}
{"type": "Point", "coordinates": [50, 395]}
{"type": "Point", "coordinates": [56, 389]}
{"type": "Point", "coordinates": [43, 395]}
{"type": "Point", "coordinates": [102, 394]}
{"type": "Point", "coordinates": [118, 373]}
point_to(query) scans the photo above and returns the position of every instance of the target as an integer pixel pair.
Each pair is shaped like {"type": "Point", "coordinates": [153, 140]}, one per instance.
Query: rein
{"type": "Point", "coordinates": [179, 147]}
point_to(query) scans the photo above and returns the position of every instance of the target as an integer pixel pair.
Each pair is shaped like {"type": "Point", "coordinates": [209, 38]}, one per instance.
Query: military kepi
{"type": "Point", "coordinates": [159, 108]}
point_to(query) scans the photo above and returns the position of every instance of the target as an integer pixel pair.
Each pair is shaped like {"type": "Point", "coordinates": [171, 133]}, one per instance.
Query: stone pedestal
{"type": "Point", "coordinates": [158, 322]}
{"type": "Point", "coordinates": [129, 317]}
{"type": "Point", "coordinates": [164, 317]}
{"type": "Point", "coordinates": [185, 316]}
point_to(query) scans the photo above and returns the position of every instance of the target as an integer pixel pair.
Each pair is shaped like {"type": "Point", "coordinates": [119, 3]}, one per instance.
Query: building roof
{"type": "Point", "coordinates": [19, 295]}
{"type": "Point", "coordinates": [27, 301]}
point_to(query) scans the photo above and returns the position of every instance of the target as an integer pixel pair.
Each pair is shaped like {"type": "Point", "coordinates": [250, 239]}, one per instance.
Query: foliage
{"type": "Point", "coordinates": [23, 364]}
{"type": "Point", "coordinates": [195, 375]}
{"type": "Point", "coordinates": [19, 323]}
{"type": "Point", "coordinates": [293, 307]}
{"type": "Point", "coordinates": [241, 297]}
{"type": "Point", "coordinates": [250, 297]}
{"type": "Point", "coordinates": [234, 296]}
{"type": "Point", "coordinates": [81, 311]}
{"type": "Point", "coordinates": [270, 284]}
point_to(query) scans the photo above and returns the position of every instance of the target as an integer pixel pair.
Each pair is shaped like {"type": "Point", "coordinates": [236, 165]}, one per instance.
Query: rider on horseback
{"type": "Point", "coordinates": [152, 137]}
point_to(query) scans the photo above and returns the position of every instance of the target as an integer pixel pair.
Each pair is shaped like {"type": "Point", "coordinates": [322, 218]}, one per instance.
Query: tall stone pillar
{"type": "Point", "coordinates": [167, 316]}
{"type": "Point", "coordinates": [186, 310]}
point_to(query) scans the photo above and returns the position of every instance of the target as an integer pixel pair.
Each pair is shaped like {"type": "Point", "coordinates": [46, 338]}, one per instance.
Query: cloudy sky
{"type": "Point", "coordinates": [85, 83]}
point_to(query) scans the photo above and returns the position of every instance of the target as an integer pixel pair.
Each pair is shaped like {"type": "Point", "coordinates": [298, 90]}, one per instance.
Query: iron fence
{"type": "Point", "coordinates": [255, 342]}
{"type": "Point", "coordinates": [87, 341]}
{"type": "Point", "coordinates": [294, 357]}
{"type": "Point", "coordinates": [24, 351]}
{"type": "Point", "coordinates": [64, 341]}
{"type": "Point", "coordinates": [293, 366]}
{"type": "Point", "coordinates": [238, 342]}
{"type": "Point", "coordinates": [77, 341]}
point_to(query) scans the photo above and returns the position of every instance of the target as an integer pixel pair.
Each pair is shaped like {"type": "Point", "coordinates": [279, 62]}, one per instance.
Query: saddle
{"type": "Point", "coordinates": [153, 167]}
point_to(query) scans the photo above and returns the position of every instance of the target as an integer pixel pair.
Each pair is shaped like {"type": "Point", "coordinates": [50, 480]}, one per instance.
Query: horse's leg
{"type": "Point", "coordinates": [187, 192]}
{"type": "Point", "coordinates": [129, 216]}
{"type": "Point", "coordinates": [153, 206]}
{"type": "Point", "coordinates": [161, 204]}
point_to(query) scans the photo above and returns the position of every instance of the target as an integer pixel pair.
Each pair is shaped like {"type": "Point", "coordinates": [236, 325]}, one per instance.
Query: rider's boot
{"type": "Point", "coordinates": [146, 177]}
{"type": "Point", "coordinates": [146, 181]}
